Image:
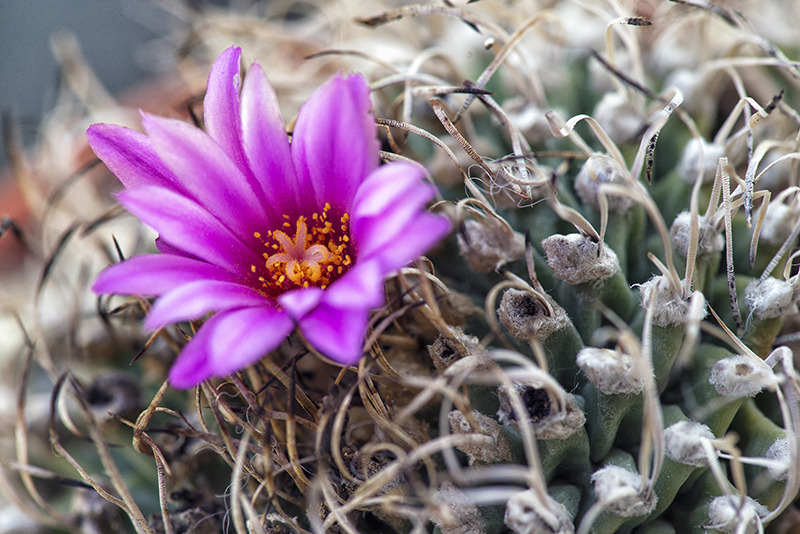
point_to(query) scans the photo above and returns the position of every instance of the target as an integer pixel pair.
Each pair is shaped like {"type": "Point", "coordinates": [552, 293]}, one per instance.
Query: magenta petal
{"type": "Point", "coordinates": [130, 156]}
{"type": "Point", "coordinates": [384, 205]}
{"type": "Point", "coordinates": [228, 342]}
{"type": "Point", "coordinates": [299, 302]}
{"type": "Point", "coordinates": [389, 222]}
{"type": "Point", "coordinates": [208, 174]}
{"type": "Point", "coordinates": [360, 287]}
{"type": "Point", "coordinates": [195, 299]}
{"type": "Point", "coordinates": [266, 142]}
{"type": "Point", "coordinates": [412, 239]}
{"type": "Point", "coordinates": [388, 186]}
{"type": "Point", "coordinates": [337, 333]}
{"type": "Point", "coordinates": [221, 106]}
{"type": "Point", "coordinates": [166, 248]}
{"type": "Point", "coordinates": [335, 144]}
{"type": "Point", "coordinates": [189, 227]}
{"type": "Point", "coordinates": [152, 275]}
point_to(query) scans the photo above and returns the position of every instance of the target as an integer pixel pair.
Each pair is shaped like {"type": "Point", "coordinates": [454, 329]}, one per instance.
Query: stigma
{"type": "Point", "coordinates": [312, 252]}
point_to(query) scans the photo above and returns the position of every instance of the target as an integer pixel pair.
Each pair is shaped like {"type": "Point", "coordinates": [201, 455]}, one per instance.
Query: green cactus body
{"type": "Point", "coordinates": [563, 145]}
{"type": "Point", "coordinates": [758, 433]}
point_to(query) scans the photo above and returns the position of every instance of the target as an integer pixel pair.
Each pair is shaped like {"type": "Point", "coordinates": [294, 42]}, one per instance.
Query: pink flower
{"type": "Point", "coordinates": [271, 236]}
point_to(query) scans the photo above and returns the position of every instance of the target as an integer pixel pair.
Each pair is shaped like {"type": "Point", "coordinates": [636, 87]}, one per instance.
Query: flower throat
{"type": "Point", "coordinates": [316, 256]}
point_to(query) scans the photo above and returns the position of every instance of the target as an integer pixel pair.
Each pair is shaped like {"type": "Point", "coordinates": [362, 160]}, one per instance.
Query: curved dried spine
{"type": "Point", "coordinates": [422, 10]}
{"type": "Point", "coordinates": [379, 415]}
{"type": "Point", "coordinates": [652, 437]}
{"type": "Point", "coordinates": [126, 501]}
{"type": "Point", "coordinates": [789, 400]}
{"type": "Point", "coordinates": [637, 192]}
{"type": "Point", "coordinates": [519, 146]}
{"type": "Point", "coordinates": [502, 54]}
{"type": "Point", "coordinates": [413, 68]}
{"type": "Point", "coordinates": [573, 217]}
{"type": "Point", "coordinates": [535, 477]}
{"type": "Point", "coordinates": [621, 23]}
{"type": "Point", "coordinates": [775, 215]}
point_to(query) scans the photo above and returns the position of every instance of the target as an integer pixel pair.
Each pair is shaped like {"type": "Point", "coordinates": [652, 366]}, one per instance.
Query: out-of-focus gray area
{"type": "Point", "coordinates": [29, 74]}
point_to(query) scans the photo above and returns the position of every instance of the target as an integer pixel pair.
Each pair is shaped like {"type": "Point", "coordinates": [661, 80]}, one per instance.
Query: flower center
{"type": "Point", "coordinates": [317, 255]}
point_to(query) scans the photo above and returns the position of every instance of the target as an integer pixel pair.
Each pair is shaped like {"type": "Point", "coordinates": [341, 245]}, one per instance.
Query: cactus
{"type": "Point", "coordinates": [601, 345]}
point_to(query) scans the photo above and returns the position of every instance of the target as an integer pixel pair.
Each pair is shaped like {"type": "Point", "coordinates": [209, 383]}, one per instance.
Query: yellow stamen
{"type": "Point", "coordinates": [316, 255]}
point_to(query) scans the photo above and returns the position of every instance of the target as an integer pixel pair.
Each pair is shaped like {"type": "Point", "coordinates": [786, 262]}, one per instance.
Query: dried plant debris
{"type": "Point", "coordinates": [595, 346]}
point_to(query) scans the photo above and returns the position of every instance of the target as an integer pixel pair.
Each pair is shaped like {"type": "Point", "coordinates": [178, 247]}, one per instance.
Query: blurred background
{"type": "Point", "coordinates": [112, 34]}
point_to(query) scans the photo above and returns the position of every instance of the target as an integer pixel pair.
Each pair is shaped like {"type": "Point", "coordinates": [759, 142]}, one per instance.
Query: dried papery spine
{"type": "Point", "coordinates": [513, 187]}
{"type": "Point", "coordinates": [527, 514]}
{"type": "Point", "coordinates": [368, 457]}
{"type": "Point", "coordinates": [498, 451]}
{"type": "Point", "coordinates": [612, 372]}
